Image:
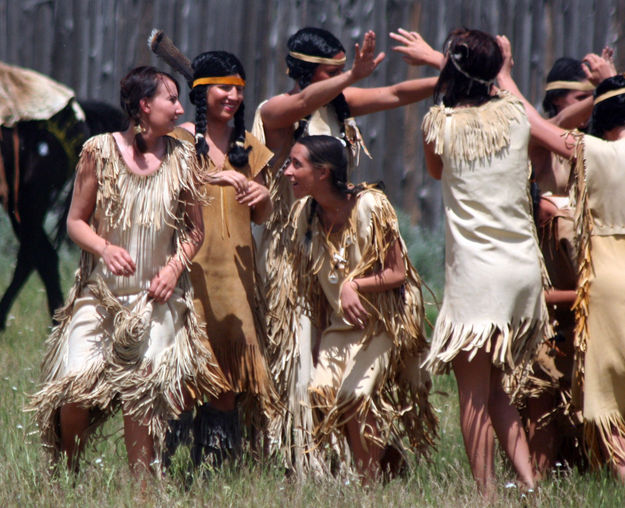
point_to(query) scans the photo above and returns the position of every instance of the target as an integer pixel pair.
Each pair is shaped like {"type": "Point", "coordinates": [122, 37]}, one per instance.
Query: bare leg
{"type": "Point", "coordinates": [473, 378]}
{"type": "Point", "coordinates": [618, 466]}
{"type": "Point", "coordinates": [507, 424]}
{"type": "Point", "coordinates": [367, 454]}
{"type": "Point", "coordinates": [139, 445]}
{"type": "Point", "coordinates": [542, 439]}
{"type": "Point", "coordinates": [74, 421]}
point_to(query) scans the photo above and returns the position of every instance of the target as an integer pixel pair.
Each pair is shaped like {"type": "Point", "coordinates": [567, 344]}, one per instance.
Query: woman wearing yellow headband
{"type": "Point", "coordinates": [223, 270]}
{"type": "Point", "coordinates": [600, 219]}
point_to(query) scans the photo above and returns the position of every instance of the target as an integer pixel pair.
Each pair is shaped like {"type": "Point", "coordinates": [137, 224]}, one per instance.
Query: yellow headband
{"type": "Point", "coordinates": [583, 86]}
{"type": "Point", "coordinates": [317, 59]}
{"type": "Point", "coordinates": [609, 95]}
{"type": "Point", "coordinates": [220, 80]}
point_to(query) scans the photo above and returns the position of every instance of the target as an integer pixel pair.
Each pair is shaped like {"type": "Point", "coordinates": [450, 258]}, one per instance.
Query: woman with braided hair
{"type": "Point", "coordinates": [223, 271]}
{"type": "Point", "coordinates": [322, 101]}
{"type": "Point", "coordinates": [128, 336]}
{"type": "Point", "coordinates": [352, 276]}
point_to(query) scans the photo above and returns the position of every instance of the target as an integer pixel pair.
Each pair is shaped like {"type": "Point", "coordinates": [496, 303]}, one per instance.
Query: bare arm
{"type": "Point", "coordinates": [543, 132]}
{"type": "Point", "coordinates": [597, 68]}
{"type": "Point", "coordinates": [415, 51]}
{"type": "Point", "coordinates": [282, 111]}
{"type": "Point", "coordinates": [433, 161]}
{"type": "Point", "coordinates": [363, 101]}
{"type": "Point", "coordinates": [117, 259]}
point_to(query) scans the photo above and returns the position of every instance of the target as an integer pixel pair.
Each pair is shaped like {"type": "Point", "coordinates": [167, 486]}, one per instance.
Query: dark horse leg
{"type": "Point", "coordinates": [23, 269]}
{"type": "Point", "coordinates": [35, 252]}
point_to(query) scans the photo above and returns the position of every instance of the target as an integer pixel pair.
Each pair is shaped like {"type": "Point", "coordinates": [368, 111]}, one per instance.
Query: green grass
{"type": "Point", "coordinates": [105, 480]}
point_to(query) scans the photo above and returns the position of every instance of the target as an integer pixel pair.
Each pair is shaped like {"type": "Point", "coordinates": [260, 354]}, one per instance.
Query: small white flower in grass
{"type": "Point", "coordinates": [510, 485]}
{"type": "Point", "coordinates": [558, 464]}
{"type": "Point", "coordinates": [20, 426]}
{"type": "Point", "coordinates": [14, 388]}
{"type": "Point", "coordinates": [437, 410]}
{"type": "Point", "coordinates": [98, 460]}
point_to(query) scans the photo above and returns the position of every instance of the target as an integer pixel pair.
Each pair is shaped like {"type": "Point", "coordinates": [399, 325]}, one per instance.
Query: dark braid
{"type": "Point", "coordinates": [215, 64]}
{"type": "Point", "coordinates": [237, 153]}
{"type": "Point", "coordinates": [140, 83]}
{"type": "Point", "coordinates": [198, 98]}
{"type": "Point", "coordinates": [315, 42]}
{"type": "Point", "coordinates": [311, 215]}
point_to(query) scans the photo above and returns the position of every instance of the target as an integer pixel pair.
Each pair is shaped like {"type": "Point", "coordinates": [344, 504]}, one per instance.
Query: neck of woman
{"type": "Point", "coordinates": [219, 133]}
{"type": "Point", "coordinates": [334, 209]}
{"type": "Point", "coordinates": [153, 142]}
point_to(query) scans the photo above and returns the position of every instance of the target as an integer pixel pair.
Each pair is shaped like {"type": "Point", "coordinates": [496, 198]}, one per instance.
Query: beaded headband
{"type": "Point", "coordinates": [317, 59]}
{"type": "Point", "coordinates": [219, 80]}
{"type": "Point", "coordinates": [583, 86]}
{"type": "Point", "coordinates": [609, 95]}
{"type": "Point", "coordinates": [456, 56]}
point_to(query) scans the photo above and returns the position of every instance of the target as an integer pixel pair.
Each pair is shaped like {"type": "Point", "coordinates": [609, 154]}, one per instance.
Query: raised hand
{"type": "Point", "coordinates": [597, 68]}
{"type": "Point", "coordinates": [364, 61]}
{"type": "Point", "coordinates": [506, 51]}
{"type": "Point", "coordinates": [415, 51]}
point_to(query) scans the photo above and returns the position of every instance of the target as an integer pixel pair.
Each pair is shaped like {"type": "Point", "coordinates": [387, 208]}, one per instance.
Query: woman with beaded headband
{"type": "Point", "coordinates": [600, 223]}
{"type": "Point", "coordinates": [352, 275]}
{"type": "Point", "coordinates": [322, 101]}
{"type": "Point", "coordinates": [493, 314]}
{"type": "Point", "coordinates": [128, 336]}
{"type": "Point", "coordinates": [223, 270]}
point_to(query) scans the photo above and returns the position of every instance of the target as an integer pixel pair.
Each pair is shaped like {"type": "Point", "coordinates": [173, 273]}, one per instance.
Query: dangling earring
{"type": "Point", "coordinates": [138, 129]}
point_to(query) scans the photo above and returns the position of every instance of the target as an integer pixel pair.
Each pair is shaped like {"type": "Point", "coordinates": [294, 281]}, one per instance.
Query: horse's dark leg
{"type": "Point", "coordinates": [46, 262]}
{"type": "Point", "coordinates": [23, 269]}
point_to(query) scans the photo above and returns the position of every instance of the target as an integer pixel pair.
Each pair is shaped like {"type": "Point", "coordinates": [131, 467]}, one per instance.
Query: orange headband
{"type": "Point", "coordinates": [219, 80]}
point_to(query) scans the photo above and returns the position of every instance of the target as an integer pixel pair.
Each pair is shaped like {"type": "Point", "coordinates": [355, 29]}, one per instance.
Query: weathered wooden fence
{"type": "Point", "coordinates": [90, 44]}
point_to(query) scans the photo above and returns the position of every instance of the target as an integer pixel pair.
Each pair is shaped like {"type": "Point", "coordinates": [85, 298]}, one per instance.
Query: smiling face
{"type": "Point", "coordinates": [325, 71]}
{"type": "Point", "coordinates": [162, 110]}
{"type": "Point", "coordinates": [223, 101]}
{"type": "Point", "coordinates": [304, 177]}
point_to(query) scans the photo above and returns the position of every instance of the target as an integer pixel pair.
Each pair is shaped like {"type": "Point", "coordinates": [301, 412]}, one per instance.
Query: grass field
{"type": "Point", "coordinates": [105, 481]}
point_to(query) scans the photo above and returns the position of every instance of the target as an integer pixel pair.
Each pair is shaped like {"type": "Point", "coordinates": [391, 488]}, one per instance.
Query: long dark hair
{"type": "Point", "coordinates": [564, 69]}
{"type": "Point", "coordinates": [315, 42]}
{"type": "Point", "coordinates": [328, 151]}
{"type": "Point", "coordinates": [215, 64]}
{"type": "Point", "coordinates": [609, 113]}
{"type": "Point", "coordinates": [474, 60]}
{"type": "Point", "coordinates": [140, 83]}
